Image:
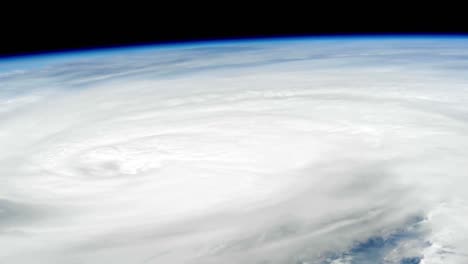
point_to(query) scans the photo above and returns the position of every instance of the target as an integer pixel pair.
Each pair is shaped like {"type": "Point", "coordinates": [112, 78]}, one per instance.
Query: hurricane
{"type": "Point", "coordinates": [304, 151]}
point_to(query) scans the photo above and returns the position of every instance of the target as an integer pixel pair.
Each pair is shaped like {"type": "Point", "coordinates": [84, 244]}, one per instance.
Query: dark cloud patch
{"type": "Point", "coordinates": [16, 213]}
{"type": "Point", "coordinates": [411, 260]}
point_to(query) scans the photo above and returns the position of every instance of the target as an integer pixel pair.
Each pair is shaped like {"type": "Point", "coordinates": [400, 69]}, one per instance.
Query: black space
{"type": "Point", "coordinates": [62, 34]}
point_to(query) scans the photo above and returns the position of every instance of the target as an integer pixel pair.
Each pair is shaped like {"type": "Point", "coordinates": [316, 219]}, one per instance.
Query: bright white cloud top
{"type": "Point", "coordinates": [306, 151]}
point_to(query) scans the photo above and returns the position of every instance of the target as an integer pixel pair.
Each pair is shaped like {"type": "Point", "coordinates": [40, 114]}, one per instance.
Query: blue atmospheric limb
{"type": "Point", "coordinates": [28, 61]}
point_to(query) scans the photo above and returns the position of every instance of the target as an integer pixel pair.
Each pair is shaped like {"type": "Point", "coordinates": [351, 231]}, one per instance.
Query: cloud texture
{"type": "Point", "coordinates": [331, 151]}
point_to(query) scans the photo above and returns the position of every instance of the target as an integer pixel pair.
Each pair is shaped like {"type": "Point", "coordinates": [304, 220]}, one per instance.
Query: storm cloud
{"type": "Point", "coordinates": [312, 151]}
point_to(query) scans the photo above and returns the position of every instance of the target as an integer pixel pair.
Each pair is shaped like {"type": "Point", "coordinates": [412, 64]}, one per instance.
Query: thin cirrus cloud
{"type": "Point", "coordinates": [289, 152]}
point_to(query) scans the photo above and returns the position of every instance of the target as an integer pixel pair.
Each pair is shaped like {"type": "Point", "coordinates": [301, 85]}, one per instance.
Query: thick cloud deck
{"type": "Point", "coordinates": [332, 151]}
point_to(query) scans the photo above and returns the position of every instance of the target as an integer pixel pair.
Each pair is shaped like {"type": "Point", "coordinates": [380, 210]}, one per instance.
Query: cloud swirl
{"type": "Point", "coordinates": [325, 151]}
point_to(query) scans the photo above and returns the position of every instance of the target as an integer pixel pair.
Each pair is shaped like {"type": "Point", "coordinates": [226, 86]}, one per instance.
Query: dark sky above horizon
{"type": "Point", "coordinates": [77, 33]}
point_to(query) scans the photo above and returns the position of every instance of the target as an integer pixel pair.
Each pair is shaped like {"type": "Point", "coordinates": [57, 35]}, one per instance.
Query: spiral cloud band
{"type": "Point", "coordinates": [307, 151]}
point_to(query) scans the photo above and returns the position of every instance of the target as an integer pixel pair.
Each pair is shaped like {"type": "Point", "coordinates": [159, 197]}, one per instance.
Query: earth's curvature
{"type": "Point", "coordinates": [338, 150]}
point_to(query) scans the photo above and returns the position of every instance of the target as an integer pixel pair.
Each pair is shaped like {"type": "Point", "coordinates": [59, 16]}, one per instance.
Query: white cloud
{"type": "Point", "coordinates": [283, 161]}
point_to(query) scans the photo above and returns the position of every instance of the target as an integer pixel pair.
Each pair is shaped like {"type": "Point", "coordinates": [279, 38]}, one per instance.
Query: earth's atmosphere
{"type": "Point", "coordinates": [310, 151]}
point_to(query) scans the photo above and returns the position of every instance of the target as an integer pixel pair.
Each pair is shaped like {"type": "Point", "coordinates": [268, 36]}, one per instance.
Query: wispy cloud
{"type": "Point", "coordinates": [301, 152]}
